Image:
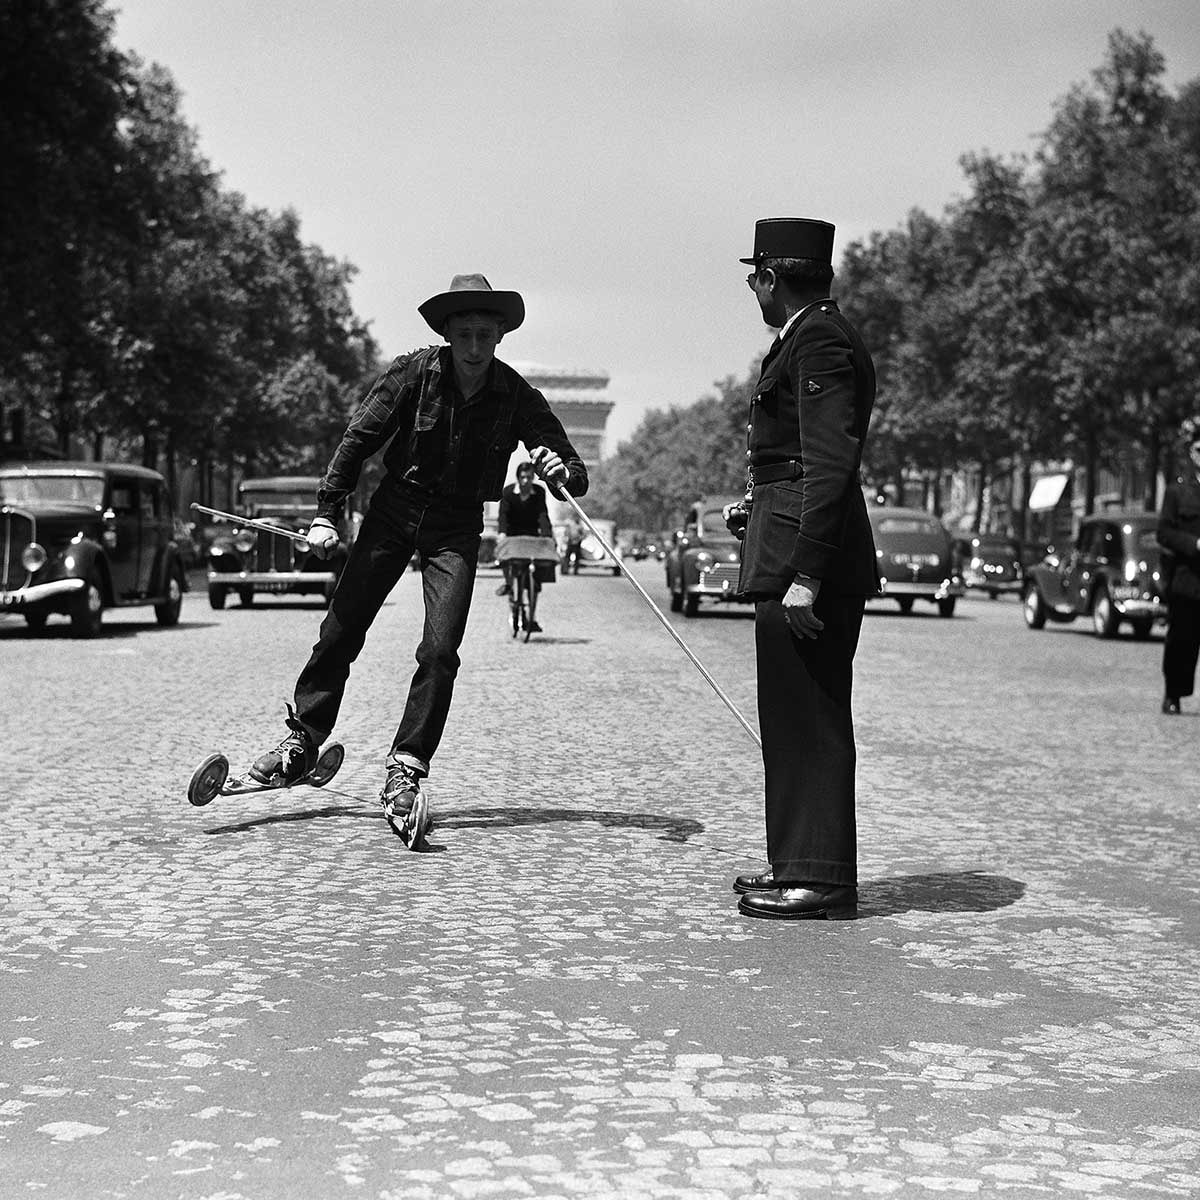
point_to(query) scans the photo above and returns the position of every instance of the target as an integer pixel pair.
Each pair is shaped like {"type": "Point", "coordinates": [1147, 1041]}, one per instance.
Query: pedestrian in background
{"type": "Point", "coordinates": [1179, 536]}
{"type": "Point", "coordinates": [450, 417]}
{"type": "Point", "coordinates": [809, 563]}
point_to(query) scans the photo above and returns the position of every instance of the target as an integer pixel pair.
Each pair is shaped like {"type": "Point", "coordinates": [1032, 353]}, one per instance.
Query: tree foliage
{"type": "Point", "coordinates": [1052, 311]}
{"type": "Point", "coordinates": [142, 305]}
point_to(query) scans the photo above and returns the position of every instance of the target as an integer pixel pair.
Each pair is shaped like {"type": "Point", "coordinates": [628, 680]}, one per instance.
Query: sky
{"type": "Point", "coordinates": [608, 158]}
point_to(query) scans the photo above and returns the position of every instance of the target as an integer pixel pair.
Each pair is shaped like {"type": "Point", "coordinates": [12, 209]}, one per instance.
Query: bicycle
{"type": "Point", "coordinates": [522, 555]}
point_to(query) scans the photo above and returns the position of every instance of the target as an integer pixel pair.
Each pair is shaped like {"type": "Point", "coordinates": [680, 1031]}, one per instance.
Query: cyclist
{"type": "Point", "coordinates": [523, 513]}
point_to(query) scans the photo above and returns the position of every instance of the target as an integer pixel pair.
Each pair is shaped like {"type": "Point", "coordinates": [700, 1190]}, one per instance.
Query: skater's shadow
{"type": "Point", "coordinates": [669, 829]}
{"type": "Point", "coordinates": [938, 892]}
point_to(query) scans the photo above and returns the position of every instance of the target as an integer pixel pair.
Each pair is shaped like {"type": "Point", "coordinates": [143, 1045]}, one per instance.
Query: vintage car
{"type": "Point", "coordinates": [989, 562]}
{"type": "Point", "coordinates": [706, 559]}
{"type": "Point", "coordinates": [246, 560]}
{"type": "Point", "coordinates": [916, 558]}
{"type": "Point", "coordinates": [1112, 573]}
{"type": "Point", "coordinates": [592, 553]}
{"type": "Point", "coordinates": [77, 538]}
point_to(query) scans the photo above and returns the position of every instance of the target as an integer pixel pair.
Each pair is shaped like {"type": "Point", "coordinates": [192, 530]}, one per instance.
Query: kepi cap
{"type": "Point", "coordinates": [792, 237]}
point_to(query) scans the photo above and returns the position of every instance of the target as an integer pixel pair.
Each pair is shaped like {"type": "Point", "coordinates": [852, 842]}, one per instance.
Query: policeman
{"type": "Point", "coordinates": [1179, 536]}
{"type": "Point", "coordinates": [809, 563]}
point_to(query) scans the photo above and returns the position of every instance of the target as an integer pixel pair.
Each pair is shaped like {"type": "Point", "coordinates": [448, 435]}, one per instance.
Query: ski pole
{"type": "Point", "coordinates": [641, 591]}
{"type": "Point", "coordinates": [252, 521]}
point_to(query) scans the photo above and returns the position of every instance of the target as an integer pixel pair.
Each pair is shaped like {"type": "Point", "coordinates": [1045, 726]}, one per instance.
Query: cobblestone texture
{"type": "Point", "coordinates": [270, 997]}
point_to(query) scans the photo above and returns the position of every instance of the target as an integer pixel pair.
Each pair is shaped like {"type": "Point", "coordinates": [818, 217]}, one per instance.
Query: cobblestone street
{"type": "Point", "coordinates": [270, 997]}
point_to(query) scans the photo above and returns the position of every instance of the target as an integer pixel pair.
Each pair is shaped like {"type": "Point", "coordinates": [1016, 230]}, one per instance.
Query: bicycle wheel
{"type": "Point", "coordinates": [532, 592]}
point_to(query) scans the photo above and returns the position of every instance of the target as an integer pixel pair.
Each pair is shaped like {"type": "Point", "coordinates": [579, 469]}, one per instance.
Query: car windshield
{"type": "Point", "coordinates": [279, 501]}
{"type": "Point", "coordinates": [998, 546]}
{"type": "Point", "coordinates": [51, 491]}
{"type": "Point", "coordinates": [714, 524]}
{"type": "Point", "coordinates": [923, 525]}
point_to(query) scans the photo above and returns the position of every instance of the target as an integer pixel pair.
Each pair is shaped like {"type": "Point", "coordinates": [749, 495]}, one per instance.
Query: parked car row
{"type": "Point", "coordinates": [79, 538]}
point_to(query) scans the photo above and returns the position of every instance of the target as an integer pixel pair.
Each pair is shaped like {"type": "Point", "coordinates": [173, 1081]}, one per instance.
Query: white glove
{"type": "Point", "coordinates": [322, 537]}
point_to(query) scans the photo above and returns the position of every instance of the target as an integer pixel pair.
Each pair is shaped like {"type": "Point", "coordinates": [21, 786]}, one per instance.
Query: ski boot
{"type": "Point", "coordinates": [290, 761]}
{"type": "Point", "coordinates": [405, 805]}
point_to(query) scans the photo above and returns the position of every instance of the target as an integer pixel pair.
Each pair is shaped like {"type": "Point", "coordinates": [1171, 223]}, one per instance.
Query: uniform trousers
{"type": "Point", "coordinates": [399, 522]}
{"type": "Point", "coordinates": [1182, 646]}
{"type": "Point", "coordinates": [804, 693]}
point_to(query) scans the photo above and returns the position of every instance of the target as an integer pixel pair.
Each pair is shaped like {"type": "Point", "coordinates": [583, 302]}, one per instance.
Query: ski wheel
{"type": "Point", "coordinates": [208, 779]}
{"type": "Point", "coordinates": [328, 765]}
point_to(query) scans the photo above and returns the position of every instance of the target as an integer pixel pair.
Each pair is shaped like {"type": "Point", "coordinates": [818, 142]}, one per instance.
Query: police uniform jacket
{"type": "Point", "coordinates": [1178, 531]}
{"type": "Point", "coordinates": [808, 421]}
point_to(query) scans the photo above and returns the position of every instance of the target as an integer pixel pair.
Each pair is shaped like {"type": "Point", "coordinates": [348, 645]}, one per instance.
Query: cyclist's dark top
{"type": "Point", "coordinates": [523, 517]}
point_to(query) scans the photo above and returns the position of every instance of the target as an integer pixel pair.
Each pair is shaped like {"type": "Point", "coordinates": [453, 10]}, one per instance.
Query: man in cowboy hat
{"type": "Point", "coordinates": [809, 563]}
{"type": "Point", "coordinates": [450, 416]}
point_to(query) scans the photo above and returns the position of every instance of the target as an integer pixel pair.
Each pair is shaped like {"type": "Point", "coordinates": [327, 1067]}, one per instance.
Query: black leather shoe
{"type": "Point", "coordinates": [504, 590]}
{"type": "Point", "coordinates": [764, 881]}
{"type": "Point", "coordinates": [1170, 705]}
{"type": "Point", "coordinates": [814, 902]}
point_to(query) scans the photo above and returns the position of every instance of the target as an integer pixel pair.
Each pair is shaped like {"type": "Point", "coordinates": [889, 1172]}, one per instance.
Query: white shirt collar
{"type": "Point", "coordinates": [798, 314]}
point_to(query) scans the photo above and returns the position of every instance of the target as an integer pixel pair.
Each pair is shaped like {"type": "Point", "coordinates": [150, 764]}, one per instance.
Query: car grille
{"type": "Point", "coordinates": [273, 553]}
{"type": "Point", "coordinates": [16, 532]}
{"type": "Point", "coordinates": [721, 573]}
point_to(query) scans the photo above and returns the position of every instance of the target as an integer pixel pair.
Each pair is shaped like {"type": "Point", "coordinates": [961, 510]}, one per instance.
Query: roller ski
{"type": "Point", "coordinates": [295, 761]}
{"type": "Point", "coordinates": [405, 805]}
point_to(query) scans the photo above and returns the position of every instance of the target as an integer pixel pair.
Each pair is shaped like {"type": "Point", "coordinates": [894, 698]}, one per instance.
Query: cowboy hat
{"type": "Point", "coordinates": [472, 293]}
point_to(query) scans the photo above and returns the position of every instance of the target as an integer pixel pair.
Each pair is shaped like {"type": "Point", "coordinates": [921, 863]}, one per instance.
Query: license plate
{"type": "Point", "coordinates": [916, 560]}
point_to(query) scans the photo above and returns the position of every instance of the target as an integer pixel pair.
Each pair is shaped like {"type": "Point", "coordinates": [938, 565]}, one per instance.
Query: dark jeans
{"type": "Point", "coordinates": [398, 523]}
{"type": "Point", "coordinates": [804, 687]}
{"type": "Point", "coordinates": [1182, 647]}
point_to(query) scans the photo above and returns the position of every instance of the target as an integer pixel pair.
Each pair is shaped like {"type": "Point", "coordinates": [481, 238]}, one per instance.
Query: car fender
{"type": "Point", "coordinates": [168, 560]}
{"type": "Point", "coordinates": [90, 556]}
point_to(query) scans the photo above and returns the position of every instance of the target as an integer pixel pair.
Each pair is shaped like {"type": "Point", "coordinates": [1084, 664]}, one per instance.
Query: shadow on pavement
{"type": "Point", "coordinates": [670, 829]}
{"type": "Point", "coordinates": [950, 891]}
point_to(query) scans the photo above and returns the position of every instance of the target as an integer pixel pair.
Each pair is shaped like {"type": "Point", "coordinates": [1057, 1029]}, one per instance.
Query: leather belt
{"type": "Point", "coordinates": [774, 472]}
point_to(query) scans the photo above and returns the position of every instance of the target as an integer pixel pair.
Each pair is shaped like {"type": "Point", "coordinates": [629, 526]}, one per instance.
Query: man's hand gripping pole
{"type": "Point", "coordinates": [560, 492]}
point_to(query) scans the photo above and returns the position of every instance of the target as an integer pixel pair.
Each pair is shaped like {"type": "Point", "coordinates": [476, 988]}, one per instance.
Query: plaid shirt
{"type": "Point", "coordinates": [454, 449]}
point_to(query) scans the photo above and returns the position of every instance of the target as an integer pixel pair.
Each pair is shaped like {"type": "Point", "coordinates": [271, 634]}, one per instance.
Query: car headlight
{"type": "Point", "coordinates": [33, 557]}
{"type": "Point", "coordinates": [244, 541]}
{"type": "Point", "coordinates": [703, 558]}
{"type": "Point", "coordinates": [1131, 570]}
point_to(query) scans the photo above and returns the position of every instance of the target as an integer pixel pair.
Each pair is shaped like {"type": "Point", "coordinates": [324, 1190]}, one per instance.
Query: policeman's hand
{"type": "Point", "coordinates": [798, 604]}
{"type": "Point", "coordinates": [549, 466]}
{"type": "Point", "coordinates": [322, 537]}
{"type": "Point", "coordinates": [737, 516]}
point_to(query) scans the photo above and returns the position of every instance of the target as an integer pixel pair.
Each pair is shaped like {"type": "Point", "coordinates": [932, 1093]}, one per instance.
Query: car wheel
{"type": "Point", "coordinates": [246, 597]}
{"type": "Point", "coordinates": [216, 595]}
{"type": "Point", "coordinates": [87, 612]}
{"type": "Point", "coordinates": [993, 594]}
{"type": "Point", "coordinates": [691, 604]}
{"type": "Point", "coordinates": [1105, 618]}
{"type": "Point", "coordinates": [1034, 607]}
{"type": "Point", "coordinates": [1141, 629]}
{"type": "Point", "coordinates": [906, 604]}
{"type": "Point", "coordinates": [946, 606]}
{"type": "Point", "coordinates": [167, 613]}
{"type": "Point", "coordinates": [36, 620]}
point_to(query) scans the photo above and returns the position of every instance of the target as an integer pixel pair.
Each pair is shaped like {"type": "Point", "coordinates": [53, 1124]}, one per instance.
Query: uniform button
{"type": "Point", "coordinates": [748, 454]}
{"type": "Point", "coordinates": [824, 307]}
{"type": "Point", "coordinates": [749, 428]}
